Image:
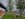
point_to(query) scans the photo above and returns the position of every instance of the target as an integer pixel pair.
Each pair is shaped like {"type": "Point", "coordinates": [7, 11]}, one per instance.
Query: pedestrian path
{"type": "Point", "coordinates": [1, 15]}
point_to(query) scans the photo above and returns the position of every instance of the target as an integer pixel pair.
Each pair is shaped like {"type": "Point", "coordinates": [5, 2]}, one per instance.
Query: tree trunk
{"type": "Point", "coordinates": [20, 13]}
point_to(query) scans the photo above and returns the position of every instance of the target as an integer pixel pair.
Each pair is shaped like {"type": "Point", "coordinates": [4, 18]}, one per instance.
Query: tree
{"type": "Point", "coordinates": [24, 7]}
{"type": "Point", "coordinates": [10, 5]}
{"type": "Point", "coordinates": [20, 6]}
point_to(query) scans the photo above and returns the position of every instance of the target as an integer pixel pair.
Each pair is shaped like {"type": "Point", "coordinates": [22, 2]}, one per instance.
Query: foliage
{"type": "Point", "coordinates": [20, 6]}
{"type": "Point", "coordinates": [10, 5]}
{"type": "Point", "coordinates": [24, 7]}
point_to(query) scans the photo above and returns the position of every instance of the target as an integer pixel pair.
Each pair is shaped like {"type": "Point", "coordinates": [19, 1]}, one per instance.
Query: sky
{"type": "Point", "coordinates": [5, 3]}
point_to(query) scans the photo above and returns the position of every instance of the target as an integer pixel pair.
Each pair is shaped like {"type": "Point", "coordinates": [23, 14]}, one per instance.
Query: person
{"type": "Point", "coordinates": [3, 6]}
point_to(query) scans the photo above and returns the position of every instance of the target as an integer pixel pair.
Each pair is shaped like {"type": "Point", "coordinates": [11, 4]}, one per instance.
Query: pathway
{"type": "Point", "coordinates": [1, 16]}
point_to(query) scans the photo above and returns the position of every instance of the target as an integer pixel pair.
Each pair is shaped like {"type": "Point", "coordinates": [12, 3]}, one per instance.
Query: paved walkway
{"type": "Point", "coordinates": [1, 16]}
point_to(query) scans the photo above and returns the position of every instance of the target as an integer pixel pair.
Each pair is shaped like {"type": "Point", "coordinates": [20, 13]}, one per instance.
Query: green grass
{"type": "Point", "coordinates": [10, 16]}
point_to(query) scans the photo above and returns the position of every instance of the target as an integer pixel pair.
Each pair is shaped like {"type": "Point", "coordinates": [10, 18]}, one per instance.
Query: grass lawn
{"type": "Point", "coordinates": [10, 16]}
